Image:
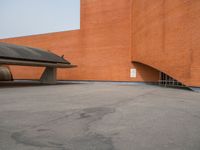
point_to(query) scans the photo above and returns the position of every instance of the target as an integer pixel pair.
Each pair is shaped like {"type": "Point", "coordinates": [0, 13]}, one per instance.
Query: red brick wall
{"type": "Point", "coordinates": [163, 34]}
{"type": "Point", "coordinates": [166, 35]}
{"type": "Point", "coordinates": [101, 48]}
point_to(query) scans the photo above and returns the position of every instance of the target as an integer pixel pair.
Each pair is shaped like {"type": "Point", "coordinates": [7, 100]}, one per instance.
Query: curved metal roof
{"type": "Point", "coordinates": [11, 51]}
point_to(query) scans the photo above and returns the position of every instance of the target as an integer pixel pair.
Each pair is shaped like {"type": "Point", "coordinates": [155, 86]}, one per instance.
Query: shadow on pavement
{"type": "Point", "coordinates": [31, 83]}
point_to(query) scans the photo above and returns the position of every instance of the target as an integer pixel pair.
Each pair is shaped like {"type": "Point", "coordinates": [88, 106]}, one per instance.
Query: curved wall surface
{"type": "Point", "coordinates": [166, 36]}
{"type": "Point", "coordinates": [5, 74]}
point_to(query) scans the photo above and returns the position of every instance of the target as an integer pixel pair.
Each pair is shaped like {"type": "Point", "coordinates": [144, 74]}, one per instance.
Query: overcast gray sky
{"type": "Point", "coordinates": [29, 17]}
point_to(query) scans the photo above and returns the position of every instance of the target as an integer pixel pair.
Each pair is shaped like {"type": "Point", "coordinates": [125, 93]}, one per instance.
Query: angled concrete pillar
{"type": "Point", "coordinates": [49, 75]}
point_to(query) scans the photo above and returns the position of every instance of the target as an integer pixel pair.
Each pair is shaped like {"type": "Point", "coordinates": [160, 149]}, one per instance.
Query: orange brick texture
{"type": "Point", "coordinates": [160, 34]}
{"type": "Point", "coordinates": [166, 36]}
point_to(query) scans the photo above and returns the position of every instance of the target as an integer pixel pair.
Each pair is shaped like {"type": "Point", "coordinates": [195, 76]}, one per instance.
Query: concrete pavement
{"type": "Point", "coordinates": [99, 116]}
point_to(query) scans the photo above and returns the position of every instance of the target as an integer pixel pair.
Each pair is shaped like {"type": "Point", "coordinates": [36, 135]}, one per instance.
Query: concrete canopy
{"type": "Point", "coordinates": [12, 51]}
{"type": "Point", "coordinates": [26, 56]}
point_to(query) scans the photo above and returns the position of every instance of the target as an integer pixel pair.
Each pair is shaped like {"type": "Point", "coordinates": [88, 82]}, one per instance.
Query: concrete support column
{"type": "Point", "coordinates": [49, 76]}
{"type": "Point", "coordinates": [5, 74]}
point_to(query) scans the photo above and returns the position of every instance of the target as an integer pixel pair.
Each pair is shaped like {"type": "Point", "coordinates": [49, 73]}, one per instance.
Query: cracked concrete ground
{"type": "Point", "coordinates": [99, 116]}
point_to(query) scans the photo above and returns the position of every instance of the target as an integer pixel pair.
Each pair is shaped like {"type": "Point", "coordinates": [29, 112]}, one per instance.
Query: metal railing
{"type": "Point", "coordinates": [166, 80]}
